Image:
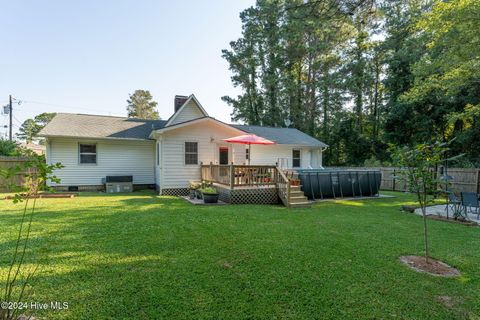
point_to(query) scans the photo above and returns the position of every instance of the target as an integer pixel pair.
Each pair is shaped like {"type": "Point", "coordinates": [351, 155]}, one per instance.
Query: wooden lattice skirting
{"type": "Point", "coordinates": [245, 196]}
{"type": "Point", "coordinates": [175, 192]}
{"type": "Point", "coordinates": [235, 196]}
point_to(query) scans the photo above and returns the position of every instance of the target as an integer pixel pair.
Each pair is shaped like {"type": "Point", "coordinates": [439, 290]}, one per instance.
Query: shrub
{"type": "Point", "coordinates": [19, 277]}
{"type": "Point", "coordinates": [195, 185]}
{"type": "Point", "coordinates": [209, 190]}
{"type": "Point", "coordinates": [9, 148]}
{"type": "Point", "coordinates": [374, 162]}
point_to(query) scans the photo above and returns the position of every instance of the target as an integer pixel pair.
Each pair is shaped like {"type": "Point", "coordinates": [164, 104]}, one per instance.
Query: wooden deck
{"type": "Point", "coordinates": [254, 184]}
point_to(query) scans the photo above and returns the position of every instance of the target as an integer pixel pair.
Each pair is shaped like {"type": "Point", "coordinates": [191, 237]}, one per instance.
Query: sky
{"type": "Point", "coordinates": [87, 56]}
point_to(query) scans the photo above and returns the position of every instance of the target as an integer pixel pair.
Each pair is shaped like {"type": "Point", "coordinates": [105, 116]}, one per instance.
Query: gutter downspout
{"type": "Point", "coordinates": [161, 163]}
{"type": "Point", "coordinates": [321, 156]}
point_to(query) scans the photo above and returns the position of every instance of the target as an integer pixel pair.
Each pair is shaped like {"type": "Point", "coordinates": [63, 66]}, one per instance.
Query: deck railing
{"type": "Point", "coordinates": [233, 175]}
{"type": "Point", "coordinates": [283, 187]}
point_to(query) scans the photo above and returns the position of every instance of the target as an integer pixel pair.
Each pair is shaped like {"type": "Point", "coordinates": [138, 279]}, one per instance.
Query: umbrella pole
{"type": "Point", "coordinates": [249, 152]}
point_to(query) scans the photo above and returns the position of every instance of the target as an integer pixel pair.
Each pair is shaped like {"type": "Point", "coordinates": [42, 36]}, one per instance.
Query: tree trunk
{"type": "Point", "coordinates": [423, 203]}
{"type": "Point", "coordinates": [375, 100]}
{"type": "Point", "coordinates": [425, 232]}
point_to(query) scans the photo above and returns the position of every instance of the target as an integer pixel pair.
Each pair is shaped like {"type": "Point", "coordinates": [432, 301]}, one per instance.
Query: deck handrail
{"type": "Point", "coordinates": [234, 175]}
{"type": "Point", "coordinates": [283, 187]}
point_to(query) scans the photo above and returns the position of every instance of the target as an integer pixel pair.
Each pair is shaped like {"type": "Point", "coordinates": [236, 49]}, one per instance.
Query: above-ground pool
{"type": "Point", "coordinates": [337, 183]}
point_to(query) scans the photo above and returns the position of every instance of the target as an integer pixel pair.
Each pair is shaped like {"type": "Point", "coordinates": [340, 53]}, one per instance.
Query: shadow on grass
{"type": "Point", "coordinates": [141, 255]}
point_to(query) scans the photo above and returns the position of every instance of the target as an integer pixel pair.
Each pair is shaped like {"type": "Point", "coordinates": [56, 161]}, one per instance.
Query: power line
{"type": "Point", "coordinates": [20, 101]}
{"type": "Point", "coordinates": [4, 126]}
{"type": "Point", "coordinates": [59, 105]}
{"type": "Point", "coordinates": [14, 118]}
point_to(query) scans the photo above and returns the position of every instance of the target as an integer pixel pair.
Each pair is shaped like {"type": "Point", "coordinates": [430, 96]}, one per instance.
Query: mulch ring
{"type": "Point", "coordinates": [433, 267]}
{"type": "Point", "coordinates": [460, 220]}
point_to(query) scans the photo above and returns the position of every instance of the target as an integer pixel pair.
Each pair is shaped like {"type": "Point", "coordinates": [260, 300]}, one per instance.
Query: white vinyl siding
{"type": "Point", "coordinates": [271, 154]}
{"type": "Point", "coordinates": [114, 157]}
{"type": "Point", "coordinates": [208, 135]}
{"type": "Point", "coordinates": [316, 158]}
{"type": "Point", "coordinates": [190, 112]}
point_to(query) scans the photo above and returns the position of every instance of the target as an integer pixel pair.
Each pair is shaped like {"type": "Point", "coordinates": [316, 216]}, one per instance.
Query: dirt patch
{"type": "Point", "coordinates": [448, 301]}
{"type": "Point", "coordinates": [24, 317]}
{"type": "Point", "coordinates": [433, 267]}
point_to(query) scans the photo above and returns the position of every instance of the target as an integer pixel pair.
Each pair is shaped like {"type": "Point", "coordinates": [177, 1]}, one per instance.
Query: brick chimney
{"type": "Point", "coordinates": [179, 101]}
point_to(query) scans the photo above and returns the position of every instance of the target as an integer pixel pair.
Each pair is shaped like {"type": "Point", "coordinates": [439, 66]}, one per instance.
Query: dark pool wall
{"type": "Point", "coordinates": [319, 184]}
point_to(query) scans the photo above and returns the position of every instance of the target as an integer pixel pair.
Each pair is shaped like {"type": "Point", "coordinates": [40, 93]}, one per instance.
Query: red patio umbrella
{"type": "Point", "coordinates": [249, 139]}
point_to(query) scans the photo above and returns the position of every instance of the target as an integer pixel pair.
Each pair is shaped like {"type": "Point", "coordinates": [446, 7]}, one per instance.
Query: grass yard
{"type": "Point", "coordinates": [149, 257]}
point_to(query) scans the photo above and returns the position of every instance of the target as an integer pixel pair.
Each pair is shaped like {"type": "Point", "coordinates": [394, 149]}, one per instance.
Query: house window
{"type": "Point", "coordinates": [158, 154]}
{"type": "Point", "coordinates": [247, 154]}
{"type": "Point", "coordinates": [88, 153]}
{"type": "Point", "coordinates": [191, 152]}
{"type": "Point", "coordinates": [296, 158]}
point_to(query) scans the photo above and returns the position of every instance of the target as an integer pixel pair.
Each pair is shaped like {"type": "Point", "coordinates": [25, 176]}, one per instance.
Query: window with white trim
{"type": "Point", "coordinates": [296, 158]}
{"type": "Point", "coordinates": [87, 153]}
{"type": "Point", "coordinates": [191, 152]}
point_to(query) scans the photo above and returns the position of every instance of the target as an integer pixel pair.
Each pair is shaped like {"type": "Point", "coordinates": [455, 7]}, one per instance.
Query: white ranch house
{"type": "Point", "coordinates": [166, 154]}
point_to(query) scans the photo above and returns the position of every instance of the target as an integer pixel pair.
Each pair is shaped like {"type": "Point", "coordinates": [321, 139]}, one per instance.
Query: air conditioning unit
{"type": "Point", "coordinates": [118, 184]}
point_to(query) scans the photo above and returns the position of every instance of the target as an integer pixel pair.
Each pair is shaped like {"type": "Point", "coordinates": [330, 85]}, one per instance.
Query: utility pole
{"type": "Point", "coordinates": [11, 115]}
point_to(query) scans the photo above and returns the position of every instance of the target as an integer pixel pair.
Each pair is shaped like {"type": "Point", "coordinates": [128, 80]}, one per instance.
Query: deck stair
{"type": "Point", "coordinates": [297, 198]}
{"type": "Point", "coordinates": [255, 184]}
{"type": "Point", "coordinates": [291, 196]}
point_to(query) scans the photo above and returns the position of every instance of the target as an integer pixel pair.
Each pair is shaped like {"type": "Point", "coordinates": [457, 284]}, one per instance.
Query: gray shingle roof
{"type": "Point", "coordinates": [283, 135]}
{"type": "Point", "coordinates": [94, 126]}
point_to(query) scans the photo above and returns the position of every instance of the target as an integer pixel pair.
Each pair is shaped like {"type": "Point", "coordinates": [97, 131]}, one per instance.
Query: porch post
{"type": "Point", "coordinates": [211, 172]}
{"type": "Point", "coordinates": [232, 176]}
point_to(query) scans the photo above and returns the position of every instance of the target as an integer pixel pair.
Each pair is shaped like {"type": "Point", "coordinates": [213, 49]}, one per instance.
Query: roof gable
{"type": "Point", "coordinates": [190, 110]}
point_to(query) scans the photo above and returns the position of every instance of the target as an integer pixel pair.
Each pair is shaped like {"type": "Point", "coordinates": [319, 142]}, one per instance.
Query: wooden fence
{"type": "Point", "coordinates": [11, 162]}
{"type": "Point", "coordinates": [463, 179]}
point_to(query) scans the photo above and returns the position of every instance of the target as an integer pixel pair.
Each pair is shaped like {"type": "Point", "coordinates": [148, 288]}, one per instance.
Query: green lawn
{"type": "Point", "coordinates": [149, 257]}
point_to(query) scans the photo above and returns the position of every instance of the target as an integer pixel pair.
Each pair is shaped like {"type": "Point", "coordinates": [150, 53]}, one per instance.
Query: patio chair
{"type": "Point", "coordinates": [453, 201]}
{"type": "Point", "coordinates": [470, 199]}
